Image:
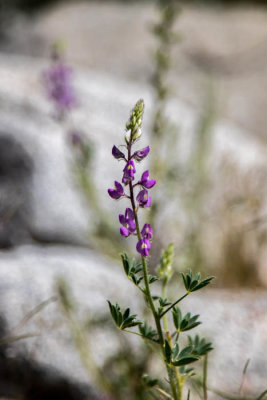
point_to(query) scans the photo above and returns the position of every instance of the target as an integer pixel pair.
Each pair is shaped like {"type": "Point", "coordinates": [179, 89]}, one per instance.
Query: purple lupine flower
{"type": "Point", "coordinates": [143, 247]}
{"type": "Point", "coordinates": [128, 172]}
{"type": "Point", "coordinates": [58, 86]}
{"type": "Point", "coordinates": [143, 199]}
{"type": "Point", "coordinates": [147, 232]}
{"type": "Point", "coordinates": [117, 153]}
{"type": "Point", "coordinates": [128, 223]}
{"type": "Point", "coordinates": [146, 182]}
{"type": "Point", "coordinates": [117, 191]}
{"type": "Point", "coordinates": [141, 154]}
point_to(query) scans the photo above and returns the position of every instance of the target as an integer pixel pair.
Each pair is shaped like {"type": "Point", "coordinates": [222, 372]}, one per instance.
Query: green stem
{"type": "Point", "coordinates": [205, 375]}
{"type": "Point", "coordinates": [173, 304]}
{"type": "Point", "coordinates": [165, 321]}
{"type": "Point", "coordinates": [148, 293]}
{"type": "Point", "coordinates": [139, 334]}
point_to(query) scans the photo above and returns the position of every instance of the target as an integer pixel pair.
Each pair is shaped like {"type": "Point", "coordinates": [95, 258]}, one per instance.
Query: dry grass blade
{"type": "Point", "coordinates": [11, 339]}
{"type": "Point", "coordinates": [33, 312]}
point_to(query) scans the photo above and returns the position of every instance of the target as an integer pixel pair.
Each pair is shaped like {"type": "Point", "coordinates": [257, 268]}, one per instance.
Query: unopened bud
{"type": "Point", "coordinates": [136, 134]}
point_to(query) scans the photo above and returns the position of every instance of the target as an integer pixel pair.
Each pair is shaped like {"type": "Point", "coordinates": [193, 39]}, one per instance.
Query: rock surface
{"type": "Point", "coordinates": [57, 210]}
{"type": "Point", "coordinates": [226, 44]}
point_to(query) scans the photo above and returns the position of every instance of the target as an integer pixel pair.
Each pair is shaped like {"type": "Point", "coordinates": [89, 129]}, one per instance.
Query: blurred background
{"type": "Point", "coordinates": [70, 72]}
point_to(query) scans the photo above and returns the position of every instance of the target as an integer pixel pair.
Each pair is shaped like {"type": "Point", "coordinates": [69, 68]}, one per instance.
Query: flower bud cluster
{"type": "Point", "coordinates": [129, 220]}
{"type": "Point", "coordinates": [133, 126]}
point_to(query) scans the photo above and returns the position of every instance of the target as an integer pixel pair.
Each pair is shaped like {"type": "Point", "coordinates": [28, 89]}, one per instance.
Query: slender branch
{"type": "Point", "coordinates": [148, 293]}
{"type": "Point", "coordinates": [262, 395]}
{"type": "Point", "coordinates": [244, 376]}
{"type": "Point", "coordinates": [163, 392]}
{"type": "Point", "coordinates": [173, 305]}
{"type": "Point", "coordinates": [11, 339]}
{"type": "Point", "coordinates": [33, 312]}
{"type": "Point", "coordinates": [142, 336]}
{"type": "Point", "coordinates": [205, 375]}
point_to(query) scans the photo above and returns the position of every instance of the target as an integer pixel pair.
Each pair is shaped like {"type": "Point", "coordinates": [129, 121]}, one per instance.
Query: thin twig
{"type": "Point", "coordinates": [11, 339]}
{"type": "Point", "coordinates": [173, 304]}
{"type": "Point", "coordinates": [33, 312]}
{"type": "Point", "coordinates": [244, 376]}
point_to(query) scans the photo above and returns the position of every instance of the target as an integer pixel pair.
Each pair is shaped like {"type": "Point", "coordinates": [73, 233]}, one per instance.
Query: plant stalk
{"type": "Point", "coordinates": [148, 293]}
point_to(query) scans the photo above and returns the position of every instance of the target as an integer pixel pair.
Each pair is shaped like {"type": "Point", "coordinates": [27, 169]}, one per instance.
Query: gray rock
{"type": "Point", "coordinates": [58, 211]}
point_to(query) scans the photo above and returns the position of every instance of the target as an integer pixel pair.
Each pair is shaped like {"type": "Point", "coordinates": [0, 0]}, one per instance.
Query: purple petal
{"type": "Point", "coordinates": [129, 213]}
{"type": "Point", "coordinates": [117, 153]}
{"type": "Point", "coordinates": [143, 246]}
{"type": "Point", "coordinates": [122, 219]}
{"type": "Point", "coordinates": [147, 232]}
{"type": "Point", "coordinates": [148, 203]}
{"type": "Point", "coordinates": [150, 183]}
{"type": "Point", "coordinates": [113, 193]}
{"type": "Point", "coordinates": [141, 154]}
{"type": "Point", "coordinates": [119, 188]}
{"type": "Point", "coordinates": [124, 231]}
{"type": "Point", "coordinates": [145, 175]}
{"type": "Point", "coordinates": [132, 226]}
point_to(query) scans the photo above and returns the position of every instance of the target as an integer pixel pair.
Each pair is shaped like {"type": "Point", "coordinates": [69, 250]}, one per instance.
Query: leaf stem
{"type": "Point", "coordinates": [173, 305]}
{"type": "Point", "coordinates": [205, 375]}
{"type": "Point", "coordinates": [139, 334]}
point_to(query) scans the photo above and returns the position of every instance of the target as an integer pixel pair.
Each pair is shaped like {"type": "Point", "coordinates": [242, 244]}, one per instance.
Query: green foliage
{"type": "Point", "coordinates": [200, 346]}
{"type": "Point", "coordinates": [176, 358]}
{"type": "Point", "coordinates": [185, 323]}
{"type": "Point", "coordinates": [148, 332]}
{"type": "Point", "coordinates": [123, 320]}
{"type": "Point", "coordinates": [195, 283]}
{"type": "Point", "coordinates": [148, 381]}
{"type": "Point", "coordinates": [132, 269]}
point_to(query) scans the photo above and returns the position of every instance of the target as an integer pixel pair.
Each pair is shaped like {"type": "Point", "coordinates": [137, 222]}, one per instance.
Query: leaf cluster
{"type": "Point", "coordinates": [131, 269]}
{"type": "Point", "coordinates": [162, 304]}
{"type": "Point", "coordinates": [123, 320]}
{"type": "Point", "coordinates": [179, 358]}
{"type": "Point", "coordinates": [194, 283]}
{"type": "Point", "coordinates": [148, 332]}
{"type": "Point", "coordinates": [185, 323]}
{"type": "Point", "coordinates": [200, 346]}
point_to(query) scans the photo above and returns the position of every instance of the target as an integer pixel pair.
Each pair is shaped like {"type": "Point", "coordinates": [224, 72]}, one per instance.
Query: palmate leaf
{"type": "Point", "coordinates": [123, 320]}
{"type": "Point", "coordinates": [162, 303]}
{"type": "Point", "coordinates": [182, 358]}
{"type": "Point", "coordinates": [192, 284]}
{"type": "Point", "coordinates": [200, 347]}
{"type": "Point", "coordinates": [185, 323]}
{"type": "Point", "coordinates": [132, 269]}
{"type": "Point", "coordinates": [148, 332]}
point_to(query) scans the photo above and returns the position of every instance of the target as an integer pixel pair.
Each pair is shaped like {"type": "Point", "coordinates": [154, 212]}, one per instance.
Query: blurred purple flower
{"type": "Point", "coordinates": [147, 232]}
{"type": "Point", "coordinates": [146, 182]}
{"type": "Point", "coordinates": [58, 86]}
{"type": "Point", "coordinates": [143, 199]}
{"type": "Point", "coordinates": [128, 172]}
{"type": "Point", "coordinates": [141, 154]}
{"type": "Point", "coordinates": [128, 223]}
{"type": "Point", "coordinates": [117, 153]}
{"type": "Point", "coordinates": [143, 246]}
{"type": "Point", "coordinates": [117, 191]}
